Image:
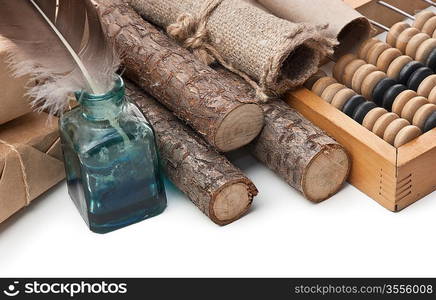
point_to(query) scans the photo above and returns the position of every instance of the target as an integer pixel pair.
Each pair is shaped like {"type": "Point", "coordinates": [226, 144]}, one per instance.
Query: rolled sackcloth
{"type": "Point", "coordinates": [273, 55]}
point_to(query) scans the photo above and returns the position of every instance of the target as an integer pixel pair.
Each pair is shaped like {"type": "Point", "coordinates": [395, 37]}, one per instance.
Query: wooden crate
{"type": "Point", "coordinates": [393, 177]}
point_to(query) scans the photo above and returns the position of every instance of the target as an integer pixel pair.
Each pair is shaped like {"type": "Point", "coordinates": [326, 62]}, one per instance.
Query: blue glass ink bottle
{"type": "Point", "coordinates": [111, 161]}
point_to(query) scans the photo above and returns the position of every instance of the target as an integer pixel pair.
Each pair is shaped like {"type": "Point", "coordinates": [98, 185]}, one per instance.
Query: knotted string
{"type": "Point", "coordinates": [23, 170]}
{"type": "Point", "coordinates": [192, 33]}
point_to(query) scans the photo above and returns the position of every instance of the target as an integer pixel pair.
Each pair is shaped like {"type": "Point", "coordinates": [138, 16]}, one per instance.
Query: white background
{"type": "Point", "coordinates": [283, 235]}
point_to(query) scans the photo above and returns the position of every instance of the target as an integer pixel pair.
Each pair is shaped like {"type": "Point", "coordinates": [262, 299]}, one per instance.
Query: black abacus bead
{"type": "Point", "coordinates": [430, 123]}
{"type": "Point", "coordinates": [362, 110]}
{"type": "Point", "coordinates": [391, 94]}
{"type": "Point", "coordinates": [431, 60]}
{"type": "Point", "coordinates": [352, 104]}
{"type": "Point", "coordinates": [381, 88]}
{"type": "Point", "coordinates": [418, 76]}
{"type": "Point", "coordinates": [408, 70]}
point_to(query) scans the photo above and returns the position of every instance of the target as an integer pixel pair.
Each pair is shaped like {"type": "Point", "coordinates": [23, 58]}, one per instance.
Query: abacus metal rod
{"type": "Point", "coordinates": [396, 9]}
{"type": "Point", "coordinates": [430, 2]}
{"type": "Point", "coordinates": [385, 28]}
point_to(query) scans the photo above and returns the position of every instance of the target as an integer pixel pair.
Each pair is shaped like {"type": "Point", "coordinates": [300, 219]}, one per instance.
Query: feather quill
{"type": "Point", "coordinates": [61, 45]}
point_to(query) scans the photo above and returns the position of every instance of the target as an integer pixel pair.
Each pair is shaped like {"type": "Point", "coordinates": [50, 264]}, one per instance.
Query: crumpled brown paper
{"type": "Point", "coordinates": [30, 161]}
{"type": "Point", "coordinates": [347, 25]}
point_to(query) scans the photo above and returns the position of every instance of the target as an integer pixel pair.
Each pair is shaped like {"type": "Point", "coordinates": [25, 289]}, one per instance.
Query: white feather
{"type": "Point", "coordinates": [37, 48]}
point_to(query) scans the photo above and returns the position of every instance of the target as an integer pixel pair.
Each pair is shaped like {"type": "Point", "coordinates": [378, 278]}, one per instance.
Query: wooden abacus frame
{"type": "Point", "coordinates": [383, 15]}
{"type": "Point", "coordinates": [394, 177]}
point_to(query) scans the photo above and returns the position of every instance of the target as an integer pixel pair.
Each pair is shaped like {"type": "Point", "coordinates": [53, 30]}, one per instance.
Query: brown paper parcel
{"type": "Point", "coordinates": [30, 161]}
{"type": "Point", "coordinates": [346, 24]}
{"type": "Point", "coordinates": [277, 54]}
{"type": "Point", "coordinates": [13, 103]}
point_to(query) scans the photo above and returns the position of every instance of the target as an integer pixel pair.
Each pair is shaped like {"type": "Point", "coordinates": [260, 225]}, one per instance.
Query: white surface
{"type": "Point", "coordinates": [283, 235]}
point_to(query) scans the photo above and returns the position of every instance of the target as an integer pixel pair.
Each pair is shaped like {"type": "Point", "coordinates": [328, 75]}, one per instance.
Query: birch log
{"type": "Point", "coordinates": [194, 92]}
{"type": "Point", "coordinates": [298, 151]}
{"type": "Point", "coordinates": [213, 184]}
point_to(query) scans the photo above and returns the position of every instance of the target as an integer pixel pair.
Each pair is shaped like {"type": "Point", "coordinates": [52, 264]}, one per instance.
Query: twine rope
{"type": "Point", "coordinates": [191, 31]}
{"type": "Point", "coordinates": [23, 170]}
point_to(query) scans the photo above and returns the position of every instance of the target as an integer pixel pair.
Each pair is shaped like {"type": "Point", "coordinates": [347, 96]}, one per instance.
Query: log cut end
{"type": "Point", "coordinates": [326, 173]}
{"type": "Point", "coordinates": [231, 203]}
{"type": "Point", "coordinates": [239, 127]}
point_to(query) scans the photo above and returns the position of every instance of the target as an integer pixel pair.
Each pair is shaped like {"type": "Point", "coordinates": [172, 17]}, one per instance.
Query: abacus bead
{"type": "Point", "coordinates": [321, 84]}
{"type": "Point", "coordinates": [360, 75]}
{"type": "Point", "coordinates": [375, 52]}
{"type": "Point", "coordinates": [412, 106]}
{"type": "Point", "coordinates": [418, 76]}
{"type": "Point", "coordinates": [372, 116]}
{"type": "Point", "coordinates": [393, 128]}
{"type": "Point", "coordinates": [391, 94]}
{"type": "Point", "coordinates": [386, 58]}
{"type": "Point", "coordinates": [432, 97]}
{"type": "Point", "coordinates": [362, 110]}
{"type": "Point", "coordinates": [404, 38]}
{"type": "Point", "coordinates": [314, 78]}
{"type": "Point", "coordinates": [381, 88]}
{"type": "Point", "coordinates": [431, 60]}
{"type": "Point", "coordinates": [425, 49]}
{"type": "Point", "coordinates": [430, 123]}
{"type": "Point", "coordinates": [352, 104]}
{"type": "Point", "coordinates": [414, 43]}
{"type": "Point", "coordinates": [408, 70]}
{"type": "Point", "coordinates": [383, 122]}
{"type": "Point", "coordinates": [397, 65]}
{"type": "Point", "coordinates": [364, 48]}
{"type": "Point", "coordinates": [427, 85]}
{"type": "Point", "coordinates": [422, 18]}
{"type": "Point", "coordinates": [395, 31]}
{"type": "Point", "coordinates": [342, 97]}
{"type": "Point", "coordinates": [350, 70]}
{"type": "Point", "coordinates": [406, 135]}
{"type": "Point", "coordinates": [429, 26]}
{"type": "Point", "coordinates": [338, 69]}
{"type": "Point", "coordinates": [331, 91]}
{"type": "Point", "coordinates": [401, 101]}
{"type": "Point", "coordinates": [422, 114]}
{"type": "Point", "coordinates": [370, 82]}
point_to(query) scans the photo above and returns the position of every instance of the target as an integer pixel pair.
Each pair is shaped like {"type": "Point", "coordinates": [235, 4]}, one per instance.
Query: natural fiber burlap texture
{"type": "Point", "coordinates": [279, 55]}
{"type": "Point", "coordinates": [344, 23]}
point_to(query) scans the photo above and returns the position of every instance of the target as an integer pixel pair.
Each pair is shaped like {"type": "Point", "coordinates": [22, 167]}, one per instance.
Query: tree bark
{"type": "Point", "coordinates": [196, 93]}
{"type": "Point", "coordinates": [302, 154]}
{"type": "Point", "coordinates": [213, 184]}
{"type": "Point", "coordinates": [298, 151]}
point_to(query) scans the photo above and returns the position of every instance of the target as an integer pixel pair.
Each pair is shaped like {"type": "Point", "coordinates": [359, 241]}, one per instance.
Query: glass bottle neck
{"type": "Point", "coordinates": [100, 107]}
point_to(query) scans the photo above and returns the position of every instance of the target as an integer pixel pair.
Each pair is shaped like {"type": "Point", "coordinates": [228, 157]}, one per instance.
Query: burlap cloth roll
{"type": "Point", "coordinates": [277, 54]}
{"type": "Point", "coordinates": [346, 24]}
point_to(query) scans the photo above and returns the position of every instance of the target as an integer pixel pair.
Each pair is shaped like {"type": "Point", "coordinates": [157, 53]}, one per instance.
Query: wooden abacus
{"type": "Point", "coordinates": [390, 93]}
{"type": "Point", "coordinates": [381, 105]}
